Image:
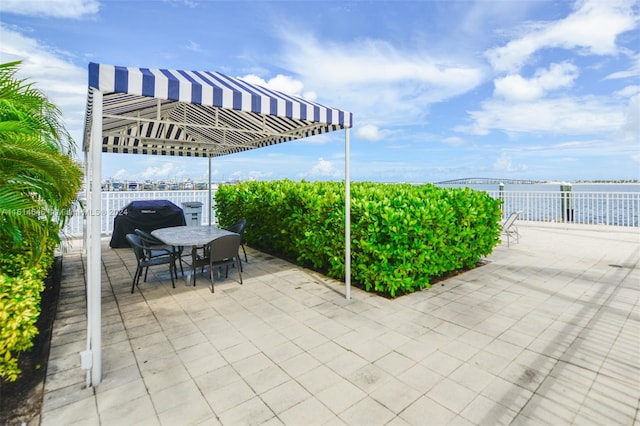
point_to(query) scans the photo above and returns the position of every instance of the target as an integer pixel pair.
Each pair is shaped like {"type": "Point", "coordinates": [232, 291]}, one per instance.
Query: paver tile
{"type": "Point", "coordinates": [285, 396]}
{"type": "Point", "coordinates": [472, 377]}
{"type": "Point", "coordinates": [395, 395]}
{"type": "Point", "coordinates": [420, 378]}
{"type": "Point", "coordinates": [369, 377]}
{"type": "Point", "coordinates": [367, 411]}
{"type": "Point", "coordinates": [484, 411]}
{"type": "Point", "coordinates": [340, 396]}
{"type": "Point", "coordinates": [251, 412]}
{"type": "Point", "coordinates": [309, 411]}
{"type": "Point", "coordinates": [318, 379]}
{"type": "Point", "coordinates": [83, 411]}
{"type": "Point", "coordinates": [267, 378]}
{"type": "Point", "coordinates": [545, 332]}
{"type": "Point", "coordinates": [394, 363]}
{"type": "Point", "coordinates": [131, 411]}
{"type": "Point", "coordinates": [427, 410]}
{"type": "Point", "coordinates": [228, 396]}
{"type": "Point", "coordinates": [451, 395]}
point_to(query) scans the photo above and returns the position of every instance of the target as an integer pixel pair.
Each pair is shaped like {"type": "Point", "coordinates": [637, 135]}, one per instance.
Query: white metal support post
{"type": "Point", "coordinates": [94, 258]}
{"type": "Point", "coordinates": [209, 188]}
{"type": "Point", "coordinates": [87, 194]}
{"type": "Point", "coordinates": [347, 217]}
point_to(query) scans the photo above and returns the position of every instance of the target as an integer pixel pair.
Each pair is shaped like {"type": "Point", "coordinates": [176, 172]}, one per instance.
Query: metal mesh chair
{"type": "Point", "coordinates": [158, 247]}
{"type": "Point", "coordinates": [146, 258]}
{"type": "Point", "coordinates": [223, 251]}
{"type": "Point", "coordinates": [238, 228]}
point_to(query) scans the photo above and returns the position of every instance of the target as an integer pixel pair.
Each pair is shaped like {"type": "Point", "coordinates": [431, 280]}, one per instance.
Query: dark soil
{"type": "Point", "coordinates": [21, 401]}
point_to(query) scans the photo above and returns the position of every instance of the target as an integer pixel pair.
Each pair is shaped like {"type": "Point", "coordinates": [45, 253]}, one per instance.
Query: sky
{"type": "Point", "coordinates": [439, 90]}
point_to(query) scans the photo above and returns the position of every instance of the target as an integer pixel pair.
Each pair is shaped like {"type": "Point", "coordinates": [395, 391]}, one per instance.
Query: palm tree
{"type": "Point", "coordinates": [38, 177]}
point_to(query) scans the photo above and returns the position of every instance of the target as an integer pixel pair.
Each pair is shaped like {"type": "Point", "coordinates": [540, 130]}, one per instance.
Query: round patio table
{"type": "Point", "coordinates": [194, 236]}
{"type": "Point", "coordinates": [184, 236]}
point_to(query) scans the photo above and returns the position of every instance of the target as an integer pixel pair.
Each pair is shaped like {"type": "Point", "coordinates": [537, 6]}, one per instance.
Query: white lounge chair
{"type": "Point", "coordinates": [509, 229]}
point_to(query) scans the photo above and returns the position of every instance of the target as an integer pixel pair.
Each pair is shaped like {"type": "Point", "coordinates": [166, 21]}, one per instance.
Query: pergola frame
{"type": "Point", "coordinates": [187, 114]}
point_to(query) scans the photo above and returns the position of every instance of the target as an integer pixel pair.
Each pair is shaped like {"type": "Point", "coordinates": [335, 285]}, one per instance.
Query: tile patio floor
{"type": "Point", "coordinates": [548, 332]}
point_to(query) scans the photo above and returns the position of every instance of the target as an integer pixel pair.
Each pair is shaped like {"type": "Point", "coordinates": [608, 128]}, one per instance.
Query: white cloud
{"type": "Point", "coordinates": [121, 174]}
{"type": "Point", "coordinates": [628, 91]}
{"type": "Point", "coordinates": [158, 172]}
{"type": "Point", "coordinates": [523, 105]}
{"type": "Point", "coordinates": [630, 129]}
{"type": "Point", "coordinates": [504, 163]}
{"type": "Point", "coordinates": [74, 9]}
{"type": "Point", "coordinates": [377, 80]}
{"type": "Point", "coordinates": [281, 83]}
{"type": "Point", "coordinates": [453, 141]}
{"type": "Point", "coordinates": [516, 88]}
{"type": "Point", "coordinates": [325, 169]}
{"type": "Point", "coordinates": [194, 47]}
{"type": "Point", "coordinates": [370, 132]}
{"type": "Point", "coordinates": [633, 71]}
{"type": "Point", "coordinates": [64, 83]}
{"type": "Point", "coordinates": [259, 175]}
{"type": "Point", "coordinates": [572, 116]}
{"type": "Point", "coordinates": [591, 29]}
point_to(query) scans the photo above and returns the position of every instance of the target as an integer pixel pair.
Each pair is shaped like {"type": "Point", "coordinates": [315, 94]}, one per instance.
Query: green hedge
{"type": "Point", "coordinates": [402, 236]}
{"type": "Point", "coordinates": [21, 285]}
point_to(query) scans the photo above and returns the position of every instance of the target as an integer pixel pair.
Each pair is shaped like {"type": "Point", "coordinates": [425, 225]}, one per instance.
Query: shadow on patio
{"type": "Point", "coordinates": [545, 333]}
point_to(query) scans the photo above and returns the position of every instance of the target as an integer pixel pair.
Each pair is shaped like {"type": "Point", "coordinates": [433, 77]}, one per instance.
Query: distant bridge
{"type": "Point", "coordinates": [490, 181]}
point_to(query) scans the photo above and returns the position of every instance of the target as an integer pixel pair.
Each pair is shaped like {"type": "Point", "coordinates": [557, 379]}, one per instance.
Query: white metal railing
{"type": "Point", "coordinates": [597, 208]}
{"type": "Point", "coordinates": [114, 201]}
{"type": "Point", "coordinates": [602, 208]}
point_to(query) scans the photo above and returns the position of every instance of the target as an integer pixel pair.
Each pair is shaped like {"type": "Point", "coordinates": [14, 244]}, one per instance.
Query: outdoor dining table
{"type": "Point", "coordinates": [193, 236]}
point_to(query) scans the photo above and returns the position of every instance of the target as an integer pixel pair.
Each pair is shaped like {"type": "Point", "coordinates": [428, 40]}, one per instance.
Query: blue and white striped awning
{"type": "Point", "coordinates": [198, 113]}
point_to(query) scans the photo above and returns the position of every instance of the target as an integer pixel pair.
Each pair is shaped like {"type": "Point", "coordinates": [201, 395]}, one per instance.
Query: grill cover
{"type": "Point", "coordinates": [147, 215]}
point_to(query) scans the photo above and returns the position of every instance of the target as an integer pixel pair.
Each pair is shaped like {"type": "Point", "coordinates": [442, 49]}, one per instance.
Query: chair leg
{"type": "Point", "coordinates": [239, 269]}
{"type": "Point", "coordinates": [245, 253]}
{"type": "Point", "coordinates": [177, 254]}
{"type": "Point", "coordinates": [146, 271]}
{"type": "Point", "coordinates": [172, 271]}
{"type": "Point", "coordinates": [136, 277]}
{"type": "Point", "coordinates": [245, 256]}
{"type": "Point", "coordinates": [211, 279]}
{"type": "Point", "coordinates": [194, 256]}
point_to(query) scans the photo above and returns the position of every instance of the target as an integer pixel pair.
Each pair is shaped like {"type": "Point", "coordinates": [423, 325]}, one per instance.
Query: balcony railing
{"type": "Point", "coordinates": [595, 208]}
{"type": "Point", "coordinates": [601, 208]}
{"type": "Point", "coordinates": [114, 201]}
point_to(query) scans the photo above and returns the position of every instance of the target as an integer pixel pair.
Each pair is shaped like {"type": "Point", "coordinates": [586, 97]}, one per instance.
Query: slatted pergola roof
{"type": "Point", "coordinates": [187, 114]}
{"type": "Point", "coordinates": [198, 113]}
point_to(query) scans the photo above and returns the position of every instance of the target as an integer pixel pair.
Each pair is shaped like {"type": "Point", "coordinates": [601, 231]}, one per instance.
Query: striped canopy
{"type": "Point", "coordinates": [190, 114]}
{"type": "Point", "coordinates": [198, 113]}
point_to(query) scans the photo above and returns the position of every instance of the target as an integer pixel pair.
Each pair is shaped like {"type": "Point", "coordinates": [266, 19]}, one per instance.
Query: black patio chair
{"type": "Point", "coordinates": [238, 228]}
{"type": "Point", "coordinates": [158, 247]}
{"type": "Point", "coordinates": [146, 258]}
{"type": "Point", "coordinates": [222, 251]}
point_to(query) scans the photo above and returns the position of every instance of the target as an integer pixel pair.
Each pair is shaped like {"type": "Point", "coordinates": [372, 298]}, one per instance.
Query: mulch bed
{"type": "Point", "coordinates": [21, 401]}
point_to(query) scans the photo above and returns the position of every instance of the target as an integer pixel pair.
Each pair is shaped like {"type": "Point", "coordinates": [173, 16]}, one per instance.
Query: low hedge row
{"type": "Point", "coordinates": [402, 236]}
{"type": "Point", "coordinates": [21, 285]}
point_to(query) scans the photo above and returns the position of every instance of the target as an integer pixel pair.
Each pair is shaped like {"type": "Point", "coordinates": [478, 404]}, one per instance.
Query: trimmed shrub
{"type": "Point", "coordinates": [402, 236]}
{"type": "Point", "coordinates": [21, 284]}
{"type": "Point", "coordinates": [38, 181]}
